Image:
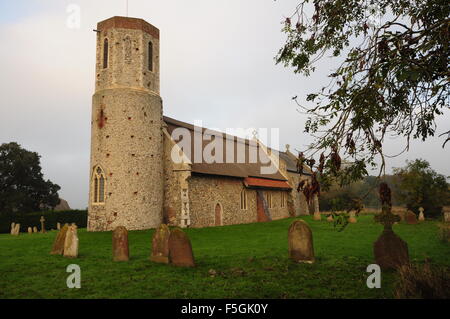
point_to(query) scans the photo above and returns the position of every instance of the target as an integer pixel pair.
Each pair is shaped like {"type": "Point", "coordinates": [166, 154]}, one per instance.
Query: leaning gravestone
{"type": "Point", "coordinates": [410, 218]}
{"type": "Point", "coordinates": [330, 218]}
{"type": "Point", "coordinates": [180, 249]}
{"type": "Point", "coordinates": [58, 245]}
{"type": "Point", "coordinates": [30, 230]}
{"type": "Point", "coordinates": [120, 244]}
{"type": "Point", "coordinates": [317, 216]}
{"type": "Point", "coordinates": [160, 245]}
{"type": "Point", "coordinates": [13, 228]}
{"type": "Point", "coordinates": [71, 242]}
{"type": "Point", "coordinates": [300, 242]}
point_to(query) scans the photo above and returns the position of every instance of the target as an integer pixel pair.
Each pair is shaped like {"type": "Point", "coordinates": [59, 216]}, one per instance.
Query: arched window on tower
{"type": "Point", "coordinates": [150, 56]}
{"type": "Point", "coordinates": [244, 199]}
{"type": "Point", "coordinates": [105, 53]}
{"type": "Point", "coordinates": [98, 185]}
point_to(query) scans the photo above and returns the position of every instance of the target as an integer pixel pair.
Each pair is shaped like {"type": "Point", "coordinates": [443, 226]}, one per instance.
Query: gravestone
{"type": "Point", "coordinates": [30, 230]}
{"type": "Point", "coordinates": [390, 250]}
{"type": "Point", "coordinates": [120, 244]}
{"type": "Point", "coordinates": [330, 218]}
{"type": "Point", "coordinates": [42, 220]}
{"type": "Point", "coordinates": [410, 218]}
{"type": "Point", "coordinates": [446, 217]}
{"type": "Point", "coordinates": [58, 245]}
{"type": "Point", "coordinates": [58, 226]}
{"type": "Point", "coordinates": [300, 242]}
{"type": "Point", "coordinates": [317, 216]}
{"type": "Point", "coordinates": [352, 218]}
{"type": "Point", "coordinates": [180, 249]}
{"type": "Point", "coordinates": [71, 242]}
{"type": "Point", "coordinates": [13, 228]}
{"type": "Point", "coordinates": [421, 215]}
{"type": "Point", "coordinates": [160, 245]}
{"type": "Point", "coordinates": [35, 230]}
{"type": "Point", "coordinates": [16, 231]}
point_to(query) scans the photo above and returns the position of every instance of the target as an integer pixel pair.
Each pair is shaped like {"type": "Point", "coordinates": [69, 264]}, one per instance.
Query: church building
{"type": "Point", "coordinates": [143, 172]}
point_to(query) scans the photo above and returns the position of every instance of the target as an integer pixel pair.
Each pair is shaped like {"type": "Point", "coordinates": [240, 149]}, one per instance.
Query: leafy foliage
{"type": "Point", "coordinates": [394, 82]}
{"type": "Point", "coordinates": [22, 186]}
{"type": "Point", "coordinates": [420, 186]}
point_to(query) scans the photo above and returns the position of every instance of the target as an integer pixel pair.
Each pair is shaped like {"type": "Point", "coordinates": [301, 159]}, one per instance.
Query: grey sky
{"type": "Point", "coordinates": [217, 65]}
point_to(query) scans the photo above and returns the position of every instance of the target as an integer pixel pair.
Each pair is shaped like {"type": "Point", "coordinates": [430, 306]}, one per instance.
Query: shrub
{"type": "Point", "coordinates": [423, 282]}
{"type": "Point", "coordinates": [26, 220]}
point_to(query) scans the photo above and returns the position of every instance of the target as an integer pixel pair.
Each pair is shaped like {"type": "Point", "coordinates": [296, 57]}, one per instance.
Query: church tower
{"type": "Point", "coordinates": [126, 170]}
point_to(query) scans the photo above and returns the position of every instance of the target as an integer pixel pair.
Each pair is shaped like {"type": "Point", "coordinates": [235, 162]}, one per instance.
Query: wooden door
{"type": "Point", "coordinates": [218, 215]}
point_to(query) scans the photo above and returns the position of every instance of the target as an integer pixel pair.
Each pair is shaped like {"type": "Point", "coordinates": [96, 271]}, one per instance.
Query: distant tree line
{"type": "Point", "coordinates": [413, 186]}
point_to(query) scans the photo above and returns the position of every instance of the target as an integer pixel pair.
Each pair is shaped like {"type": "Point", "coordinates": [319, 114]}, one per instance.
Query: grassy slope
{"type": "Point", "coordinates": [251, 262]}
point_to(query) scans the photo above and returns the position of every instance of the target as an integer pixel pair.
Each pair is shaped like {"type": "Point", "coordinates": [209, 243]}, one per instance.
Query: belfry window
{"type": "Point", "coordinates": [150, 56]}
{"type": "Point", "coordinates": [99, 185]}
{"type": "Point", "coordinates": [105, 54]}
{"type": "Point", "coordinates": [244, 199]}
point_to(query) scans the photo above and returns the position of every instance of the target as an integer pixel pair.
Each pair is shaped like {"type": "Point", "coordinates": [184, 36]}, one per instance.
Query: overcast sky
{"type": "Point", "coordinates": [217, 65]}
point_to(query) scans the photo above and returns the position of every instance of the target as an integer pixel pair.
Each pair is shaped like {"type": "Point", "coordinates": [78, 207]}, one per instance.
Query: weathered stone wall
{"type": "Point", "coordinates": [298, 199]}
{"type": "Point", "coordinates": [126, 133]}
{"type": "Point", "coordinates": [176, 187]}
{"type": "Point", "coordinates": [128, 57]}
{"type": "Point", "coordinates": [206, 191]}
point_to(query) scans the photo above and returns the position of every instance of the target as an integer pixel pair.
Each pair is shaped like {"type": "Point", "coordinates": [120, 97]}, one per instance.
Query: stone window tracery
{"type": "Point", "coordinates": [99, 185]}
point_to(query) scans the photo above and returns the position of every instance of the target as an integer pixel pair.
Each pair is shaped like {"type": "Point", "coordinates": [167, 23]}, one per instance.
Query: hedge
{"type": "Point", "coordinates": [26, 220]}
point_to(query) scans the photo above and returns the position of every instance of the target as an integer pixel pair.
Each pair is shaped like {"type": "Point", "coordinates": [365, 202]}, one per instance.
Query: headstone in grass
{"type": "Point", "coordinates": [13, 228]}
{"type": "Point", "coordinates": [410, 218]}
{"type": "Point", "coordinates": [16, 231]}
{"type": "Point", "coordinates": [317, 216]}
{"type": "Point", "coordinates": [120, 244]}
{"type": "Point", "coordinates": [58, 226]}
{"type": "Point", "coordinates": [330, 218]}
{"type": "Point", "coordinates": [160, 245]}
{"type": "Point", "coordinates": [421, 215]}
{"type": "Point", "coordinates": [71, 242]}
{"type": "Point", "coordinates": [446, 216]}
{"type": "Point", "coordinates": [180, 249]}
{"type": "Point", "coordinates": [30, 230]}
{"type": "Point", "coordinates": [352, 218]}
{"type": "Point", "coordinates": [58, 245]}
{"type": "Point", "coordinates": [42, 220]}
{"type": "Point", "coordinates": [390, 250]}
{"type": "Point", "coordinates": [300, 242]}
{"type": "Point", "coordinates": [35, 230]}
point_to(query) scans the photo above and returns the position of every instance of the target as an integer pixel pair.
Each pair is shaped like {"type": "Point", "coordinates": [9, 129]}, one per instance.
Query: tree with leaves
{"type": "Point", "coordinates": [392, 78]}
{"type": "Point", "coordinates": [22, 186]}
{"type": "Point", "coordinates": [418, 185]}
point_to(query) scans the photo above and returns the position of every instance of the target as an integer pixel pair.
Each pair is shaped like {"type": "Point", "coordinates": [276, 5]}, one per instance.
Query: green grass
{"type": "Point", "coordinates": [250, 261]}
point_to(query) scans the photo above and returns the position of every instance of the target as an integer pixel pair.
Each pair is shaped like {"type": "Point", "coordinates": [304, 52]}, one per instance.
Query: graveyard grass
{"type": "Point", "coordinates": [250, 261]}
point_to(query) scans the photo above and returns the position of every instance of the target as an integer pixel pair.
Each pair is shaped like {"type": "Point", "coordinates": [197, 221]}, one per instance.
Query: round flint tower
{"type": "Point", "coordinates": [126, 172]}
